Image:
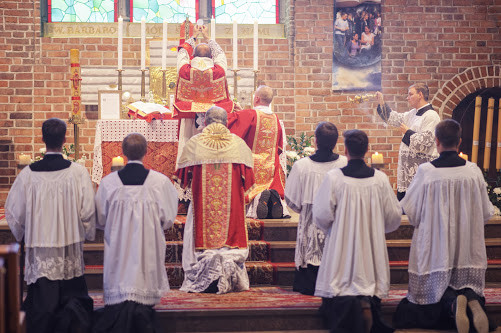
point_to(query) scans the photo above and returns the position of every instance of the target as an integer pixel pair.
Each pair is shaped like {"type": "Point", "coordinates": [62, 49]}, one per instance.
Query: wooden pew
{"type": "Point", "coordinates": [14, 318]}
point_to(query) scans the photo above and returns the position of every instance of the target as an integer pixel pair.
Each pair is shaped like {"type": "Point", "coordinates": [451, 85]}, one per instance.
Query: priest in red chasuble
{"type": "Point", "coordinates": [201, 84]}
{"type": "Point", "coordinates": [218, 166]}
{"type": "Point", "coordinates": [261, 130]}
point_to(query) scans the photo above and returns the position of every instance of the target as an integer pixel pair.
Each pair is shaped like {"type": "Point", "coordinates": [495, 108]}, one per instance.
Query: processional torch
{"type": "Point", "coordinates": [359, 99]}
{"type": "Point", "coordinates": [76, 92]}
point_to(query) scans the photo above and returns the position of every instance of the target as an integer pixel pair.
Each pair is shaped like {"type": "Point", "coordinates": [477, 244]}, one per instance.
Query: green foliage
{"type": "Point", "coordinates": [300, 147]}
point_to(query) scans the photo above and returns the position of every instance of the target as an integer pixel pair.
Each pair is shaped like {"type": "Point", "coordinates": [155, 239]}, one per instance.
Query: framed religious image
{"type": "Point", "coordinates": [110, 104]}
{"type": "Point", "coordinates": [358, 29]}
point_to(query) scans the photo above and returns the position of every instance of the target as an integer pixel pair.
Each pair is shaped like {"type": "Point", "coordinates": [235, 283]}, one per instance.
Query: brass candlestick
{"type": "Point", "coordinates": [143, 85]}
{"type": "Point", "coordinates": [255, 79]}
{"type": "Point", "coordinates": [120, 78]}
{"type": "Point", "coordinates": [164, 86]}
{"type": "Point", "coordinates": [235, 84]}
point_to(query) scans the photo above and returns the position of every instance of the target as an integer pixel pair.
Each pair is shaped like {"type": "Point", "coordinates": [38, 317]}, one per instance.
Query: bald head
{"type": "Point", "coordinates": [263, 96]}
{"type": "Point", "coordinates": [134, 146]}
{"type": "Point", "coordinates": [216, 115]}
{"type": "Point", "coordinates": [202, 50]}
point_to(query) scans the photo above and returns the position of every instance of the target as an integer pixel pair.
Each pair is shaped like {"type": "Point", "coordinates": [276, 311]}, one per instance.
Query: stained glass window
{"type": "Point", "coordinates": [82, 10]}
{"type": "Point", "coordinates": [246, 11]}
{"type": "Point", "coordinates": [155, 11]}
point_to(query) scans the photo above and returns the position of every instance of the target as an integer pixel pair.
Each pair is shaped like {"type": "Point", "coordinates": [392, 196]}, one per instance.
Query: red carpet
{"type": "Point", "coordinates": [262, 298]}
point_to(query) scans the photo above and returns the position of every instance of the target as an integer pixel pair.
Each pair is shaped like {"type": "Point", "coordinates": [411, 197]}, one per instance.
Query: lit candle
{"type": "Point", "coordinates": [164, 46]}
{"type": "Point", "coordinates": [143, 44]}
{"type": "Point", "coordinates": [463, 156]}
{"type": "Point", "coordinates": [117, 161]}
{"type": "Point", "coordinates": [476, 129]}
{"type": "Point", "coordinates": [498, 150]}
{"type": "Point", "coordinates": [213, 29]}
{"type": "Point", "coordinates": [120, 41]}
{"type": "Point", "coordinates": [377, 158]}
{"type": "Point", "coordinates": [488, 134]}
{"type": "Point", "coordinates": [256, 34]}
{"type": "Point", "coordinates": [24, 159]}
{"type": "Point", "coordinates": [235, 45]}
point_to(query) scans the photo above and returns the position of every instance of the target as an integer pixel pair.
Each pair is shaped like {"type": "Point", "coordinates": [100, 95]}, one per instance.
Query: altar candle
{"type": "Point", "coordinates": [213, 29]}
{"type": "Point", "coordinates": [164, 45]}
{"type": "Point", "coordinates": [143, 43]}
{"type": "Point", "coordinates": [464, 156]}
{"type": "Point", "coordinates": [235, 45]}
{"type": "Point", "coordinates": [498, 150]}
{"type": "Point", "coordinates": [117, 161]}
{"type": "Point", "coordinates": [488, 134]}
{"type": "Point", "coordinates": [256, 34]}
{"type": "Point", "coordinates": [120, 41]}
{"type": "Point", "coordinates": [24, 159]}
{"type": "Point", "coordinates": [476, 129]}
{"type": "Point", "coordinates": [377, 158]}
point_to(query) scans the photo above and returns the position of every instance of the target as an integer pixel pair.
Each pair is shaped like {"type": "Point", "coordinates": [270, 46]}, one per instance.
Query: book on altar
{"type": "Point", "coordinates": [148, 111]}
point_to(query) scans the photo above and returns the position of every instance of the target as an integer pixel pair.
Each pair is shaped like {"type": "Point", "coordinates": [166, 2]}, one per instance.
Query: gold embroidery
{"type": "Point", "coordinates": [215, 136]}
{"type": "Point", "coordinates": [201, 87]}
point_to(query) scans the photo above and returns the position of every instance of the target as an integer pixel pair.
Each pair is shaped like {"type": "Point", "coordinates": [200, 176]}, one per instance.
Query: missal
{"type": "Point", "coordinates": [148, 111]}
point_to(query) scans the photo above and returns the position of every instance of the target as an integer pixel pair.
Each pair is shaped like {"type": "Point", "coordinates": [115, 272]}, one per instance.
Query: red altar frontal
{"type": "Point", "coordinates": [162, 144]}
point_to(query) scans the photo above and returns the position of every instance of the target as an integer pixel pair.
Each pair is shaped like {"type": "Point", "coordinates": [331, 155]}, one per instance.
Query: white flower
{"type": "Point", "coordinates": [309, 150]}
{"type": "Point", "coordinates": [497, 190]}
{"type": "Point", "coordinates": [65, 156]}
{"type": "Point", "coordinates": [43, 150]}
{"type": "Point", "coordinates": [497, 212]}
{"type": "Point", "coordinates": [292, 155]}
{"type": "Point", "coordinates": [81, 161]}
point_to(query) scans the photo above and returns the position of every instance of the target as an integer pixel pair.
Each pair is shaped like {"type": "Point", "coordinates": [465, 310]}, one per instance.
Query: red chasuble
{"type": "Point", "coordinates": [263, 134]}
{"type": "Point", "coordinates": [218, 165]}
{"type": "Point", "coordinates": [197, 90]}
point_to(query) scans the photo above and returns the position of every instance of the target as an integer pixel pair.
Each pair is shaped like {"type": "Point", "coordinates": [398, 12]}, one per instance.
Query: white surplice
{"type": "Point", "coordinates": [300, 189]}
{"type": "Point", "coordinates": [134, 218]}
{"type": "Point", "coordinates": [355, 214]}
{"type": "Point", "coordinates": [54, 211]}
{"type": "Point", "coordinates": [448, 208]}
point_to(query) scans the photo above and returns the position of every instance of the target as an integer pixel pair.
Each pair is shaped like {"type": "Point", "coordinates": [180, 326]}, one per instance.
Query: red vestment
{"type": "Point", "coordinates": [219, 169]}
{"type": "Point", "coordinates": [263, 134]}
{"type": "Point", "coordinates": [197, 90]}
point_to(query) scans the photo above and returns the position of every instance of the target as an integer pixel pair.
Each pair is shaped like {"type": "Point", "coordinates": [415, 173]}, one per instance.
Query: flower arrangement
{"type": "Point", "coordinates": [67, 152]}
{"type": "Point", "coordinates": [494, 192]}
{"type": "Point", "coordinates": [300, 147]}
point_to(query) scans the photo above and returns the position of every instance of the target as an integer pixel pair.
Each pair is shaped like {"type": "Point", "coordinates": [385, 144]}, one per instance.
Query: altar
{"type": "Point", "coordinates": [162, 144]}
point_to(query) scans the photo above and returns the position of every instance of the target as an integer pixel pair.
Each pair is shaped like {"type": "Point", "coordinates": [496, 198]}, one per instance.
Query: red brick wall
{"type": "Point", "coordinates": [432, 40]}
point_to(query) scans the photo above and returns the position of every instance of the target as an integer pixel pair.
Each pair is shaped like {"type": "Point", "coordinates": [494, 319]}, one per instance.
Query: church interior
{"type": "Point", "coordinates": [77, 64]}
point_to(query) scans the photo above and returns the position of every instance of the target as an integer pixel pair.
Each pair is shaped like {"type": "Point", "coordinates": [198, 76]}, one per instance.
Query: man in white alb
{"type": "Point", "coordinates": [51, 206]}
{"type": "Point", "coordinates": [418, 128]}
{"type": "Point", "coordinates": [302, 184]}
{"type": "Point", "coordinates": [448, 205]}
{"type": "Point", "coordinates": [355, 206]}
{"type": "Point", "coordinates": [134, 206]}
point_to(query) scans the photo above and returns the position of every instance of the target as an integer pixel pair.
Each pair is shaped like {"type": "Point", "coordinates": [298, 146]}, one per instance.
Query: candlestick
{"type": "Point", "coordinates": [235, 45]}
{"type": "Point", "coordinates": [256, 35]}
{"type": "Point", "coordinates": [120, 42]}
{"type": "Point", "coordinates": [119, 86]}
{"type": "Point", "coordinates": [488, 134]}
{"type": "Point", "coordinates": [463, 156]}
{"type": "Point", "coordinates": [117, 161]}
{"type": "Point", "coordinates": [143, 43]}
{"type": "Point", "coordinates": [476, 129]}
{"type": "Point", "coordinates": [498, 150]}
{"type": "Point", "coordinates": [213, 29]}
{"type": "Point", "coordinates": [143, 85]}
{"type": "Point", "coordinates": [377, 158]}
{"type": "Point", "coordinates": [235, 84]}
{"type": "Point", "coordinates": [255, 79]}
{"type": "Point", "coordinates": [164, 86]}
{"type": "Point", "coordinates": [164, 45]}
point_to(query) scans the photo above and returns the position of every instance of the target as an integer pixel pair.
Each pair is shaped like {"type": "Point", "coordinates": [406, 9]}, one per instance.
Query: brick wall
{"type": "Point", "coordinates": [436, 41]}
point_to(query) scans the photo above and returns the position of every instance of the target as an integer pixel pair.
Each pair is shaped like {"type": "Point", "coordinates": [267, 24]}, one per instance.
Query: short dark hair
{"type": "Point", "coordinates": [326, 134]}
{"type": "Point", "coordinates": [421, 87]}
{"type": "Point", "coordinates": [134, 146]}
{"type": "Point", "coordinates": [53, 133]}
{"type": "Point", "coordinates": [356, 142]}
{"type": "Point", "coordinates": [448, 133]}
{"type": "Point", "coordinates": [202, 50]}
